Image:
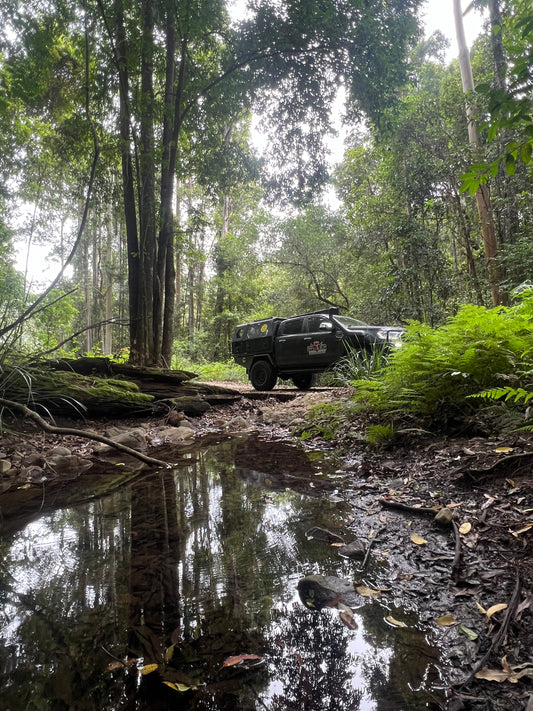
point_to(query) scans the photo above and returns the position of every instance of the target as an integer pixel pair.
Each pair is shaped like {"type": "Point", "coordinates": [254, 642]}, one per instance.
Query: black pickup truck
{"type": "Point", "coordinates": [303, 345]}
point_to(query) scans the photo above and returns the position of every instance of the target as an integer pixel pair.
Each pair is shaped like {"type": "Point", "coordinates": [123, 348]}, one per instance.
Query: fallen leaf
{"type": "Point", "coordinates": [232, 661]}
{"type": "Point", "coordinates": [395, 622]}
{"type": "Point", "coordinates": [169, 653]}
{"type": "Point", "coordinates": [507, 673]}
{"type": "Point", "coordinates": [365, 591]}
{"type": "Point", "coordinates": [495, 608]}
{"type": "Point", "coordinates": [504, 450]}
{"type": "Point", "coordinates": [446, 621]}
{"type": "Point", "coordinates": [337, 544]}
{"type": "Point", "coordinates": [465, 528]}
{"type": "Point", "coordinates": [149, 668]}
{"type": "Point", "coordinates": [348, 620]}
{"type": "Point", "coordinates": [511, 483]}
{"type": "Point", "coordinates": [177, 687]}
{"type": "Point", "coordinates": [526, 528]}
{"type": "Point", "coordinates": [468, 632]}
{"type": "Point", "coordinates": [481, 608]}
{"type": "Point", "coordinates": [115, 665]}
{"type": "Point", "coordinates": [418, 540]}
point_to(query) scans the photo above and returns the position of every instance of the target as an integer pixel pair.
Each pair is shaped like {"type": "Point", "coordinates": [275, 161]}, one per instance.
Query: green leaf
{"type": "Point", "coordinates": [510, 164]}
{"type": "Point", "coordinates": [468, 632]}
{"type": "Point", "coordinates": [525, 152]}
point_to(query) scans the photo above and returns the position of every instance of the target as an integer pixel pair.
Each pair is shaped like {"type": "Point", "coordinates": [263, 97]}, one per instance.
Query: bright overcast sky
{"type": "Point", "coordinates": [439, 16]}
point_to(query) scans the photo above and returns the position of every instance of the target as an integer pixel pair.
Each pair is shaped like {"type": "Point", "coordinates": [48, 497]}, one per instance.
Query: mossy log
{"type": "Point", "coordinates": [97, 387]}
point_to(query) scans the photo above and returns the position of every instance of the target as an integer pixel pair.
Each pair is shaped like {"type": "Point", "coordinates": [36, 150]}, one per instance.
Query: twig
{"type": "Point", "coordinates": [423, 510]}
{"type": "Point", "coordinates": [80, 433]}
{"type": "Point", "coordinates": [457, 557]}
{"type": "Point", "coordinates": [497, 638]}
{"type": "Point", "coordinates": [370, 544]}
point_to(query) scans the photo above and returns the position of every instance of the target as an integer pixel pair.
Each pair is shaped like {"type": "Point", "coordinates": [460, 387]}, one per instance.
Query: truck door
{"type": "Point", "coordinates": [290, 347]}
{"type": "Point", "coordinates": [323, 341]}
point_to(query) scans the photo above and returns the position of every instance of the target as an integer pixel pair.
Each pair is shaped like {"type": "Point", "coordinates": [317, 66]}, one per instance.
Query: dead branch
{"type": "Point", "coordinates": [47, 427]}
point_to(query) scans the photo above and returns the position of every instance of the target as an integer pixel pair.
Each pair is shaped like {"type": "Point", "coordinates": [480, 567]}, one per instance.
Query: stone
{"type": "Point", "coordinates": [175, 418]}
{"type": "Point", "coordinates": [60, 451]}
{"type": "Point", "coordinates": [355, 549]}
{"type": "Point", "coordinates": [318, 591]}
{"type": "Point", "coordinates": [5, 466]}
{"type": "Point", "coordinates": [173, 434]}
{"type": "Point", "coordinates": [134, 439]}
{"type": "Point", "coordinates": [68, 463]}
{"type": "Point", "coordinates": [444, 517]}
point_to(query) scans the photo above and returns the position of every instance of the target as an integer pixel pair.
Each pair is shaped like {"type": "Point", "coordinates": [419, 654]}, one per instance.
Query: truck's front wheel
{"type": "Point", "coordinates": [262, 375]}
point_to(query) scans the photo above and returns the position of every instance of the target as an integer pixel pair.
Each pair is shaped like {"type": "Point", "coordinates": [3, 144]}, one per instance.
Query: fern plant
{"type": "Point", "coordinates": [436, 370]}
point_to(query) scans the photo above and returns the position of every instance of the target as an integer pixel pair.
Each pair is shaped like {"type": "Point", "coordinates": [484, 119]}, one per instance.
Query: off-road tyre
{"type": "Point", "coordinates": [263, 375]}
{"type": "Point", "coordinates": [303, 381]}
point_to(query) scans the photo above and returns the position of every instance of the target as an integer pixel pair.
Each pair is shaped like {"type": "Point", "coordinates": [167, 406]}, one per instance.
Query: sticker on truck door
{"type": "Point", "coordinates": [317, 348]}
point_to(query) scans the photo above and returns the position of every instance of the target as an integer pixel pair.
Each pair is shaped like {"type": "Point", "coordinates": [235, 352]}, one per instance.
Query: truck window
{"type": "Point", "coordinates": [318, 323]}
{"type": "Point", "coordinates": [291, 327]}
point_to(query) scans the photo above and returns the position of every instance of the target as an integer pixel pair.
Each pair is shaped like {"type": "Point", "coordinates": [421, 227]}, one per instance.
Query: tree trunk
{"type": "Point", "coordinates": [147, 218]}
{"type": "Point", "coordinates": [488, 232]}
{"type": "Point", "coordinates": [130, 215]}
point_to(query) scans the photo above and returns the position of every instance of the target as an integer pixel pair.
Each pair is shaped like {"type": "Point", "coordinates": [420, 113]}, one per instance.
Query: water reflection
{"type": "Point", "coordinates": [184, 569]}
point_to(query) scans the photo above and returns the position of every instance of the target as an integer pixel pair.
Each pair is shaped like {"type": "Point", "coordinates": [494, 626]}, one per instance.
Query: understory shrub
{"type": "Point", "coordinates": [437, 369]}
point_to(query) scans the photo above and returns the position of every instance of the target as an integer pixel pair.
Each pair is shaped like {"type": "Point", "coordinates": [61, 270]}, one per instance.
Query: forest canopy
{"type": "Point", "coordinates": [126, 143]}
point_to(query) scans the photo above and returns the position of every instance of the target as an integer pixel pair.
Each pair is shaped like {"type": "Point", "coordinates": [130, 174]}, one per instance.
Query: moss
{"type": "Point", "coordinates": [43, 386]}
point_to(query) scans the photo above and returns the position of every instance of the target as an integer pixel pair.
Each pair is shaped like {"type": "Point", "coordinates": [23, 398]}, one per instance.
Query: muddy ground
{"type": "Point", "coordinates": [470, 579]}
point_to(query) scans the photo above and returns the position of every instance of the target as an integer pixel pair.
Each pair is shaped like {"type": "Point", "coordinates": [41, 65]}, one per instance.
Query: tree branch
{"type": "Point", "coordinates": [47, 427]}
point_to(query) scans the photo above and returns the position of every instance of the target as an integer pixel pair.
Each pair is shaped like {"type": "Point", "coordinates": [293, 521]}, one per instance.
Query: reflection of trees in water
{"type": "Point", "coordinates": [310, 659]}
{"type": "Point", "coordinates": [404, 681]}
{"type": "Point", "coordinates": [196, 557]}
{"type": "Point", "coordinates": [64, 608]}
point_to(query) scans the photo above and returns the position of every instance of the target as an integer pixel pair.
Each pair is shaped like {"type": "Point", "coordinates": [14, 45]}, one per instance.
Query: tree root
{"type": "Point", "coordinates": [47, 427]}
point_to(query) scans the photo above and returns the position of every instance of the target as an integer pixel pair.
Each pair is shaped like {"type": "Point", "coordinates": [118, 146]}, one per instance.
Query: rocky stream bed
{"type": "Point", "coordinates": [468, 576]}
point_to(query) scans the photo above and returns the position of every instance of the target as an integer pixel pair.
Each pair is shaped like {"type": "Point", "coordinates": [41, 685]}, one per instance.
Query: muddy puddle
{"type": "Point", "coordinates": [179, 591]}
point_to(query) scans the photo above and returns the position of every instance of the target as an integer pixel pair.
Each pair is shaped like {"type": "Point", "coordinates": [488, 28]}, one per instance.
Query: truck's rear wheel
{"type": "Point", "coordinates": [262, 375]}
{"type": "Point", "coordinates": [303, 381]}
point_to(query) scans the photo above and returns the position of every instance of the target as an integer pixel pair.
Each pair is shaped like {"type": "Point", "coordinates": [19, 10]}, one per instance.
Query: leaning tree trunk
{"type": "Point", "coordinates": [488, 232]}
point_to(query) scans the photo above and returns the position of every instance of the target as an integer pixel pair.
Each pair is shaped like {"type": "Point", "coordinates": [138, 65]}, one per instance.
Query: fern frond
{"type": "Point", "coordinates": [505, 393]}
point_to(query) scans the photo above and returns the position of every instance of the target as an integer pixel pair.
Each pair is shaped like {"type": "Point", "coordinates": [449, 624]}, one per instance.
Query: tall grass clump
{"type": "Point", "coordinates": [437, 369]}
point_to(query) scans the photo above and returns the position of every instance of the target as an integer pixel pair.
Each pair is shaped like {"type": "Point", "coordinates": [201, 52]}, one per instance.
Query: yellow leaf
{"type": "Point", "coordinates": [481, 608]}
{"type": "Point", "coordinates": [395, 622]}
{"type": "Point", "coordinates": [365, 591]}
{"type": "Point", "coordinates": [418, 540]}
{"type": "Point", "coordinates": [177, 687]}
{"type": "Point", "coordinates": [511, 483]}
{"type": "Point", "coordinates": [526, 528]}
{"type": "Point", "coordinates": [495, 608]}
{"type": "Point", "coordinates": [169, 653]}
{"type": "Point", "coordinates": [504, 450]}
{"type": "Point", "coordinates": [446, 621]}
{"type": "Point", "coordinates": [149, 668]}
{"type": "Point", "coordinates": [493, 675]}
{"type": "Point", "coordinates": [465, 528]}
